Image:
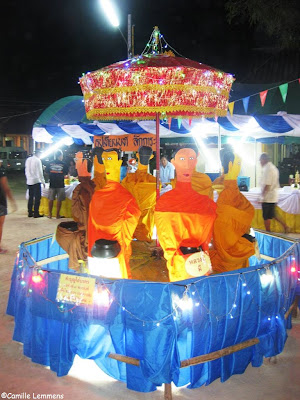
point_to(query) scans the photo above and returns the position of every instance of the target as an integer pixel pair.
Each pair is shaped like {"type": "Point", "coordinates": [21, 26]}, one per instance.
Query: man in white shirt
{"type": "Point", "coordinates": [34, 178]}
{"type": "Point", "coordinates": [269, 192]}
{"type": "Point", "coordinates": [167, 171]}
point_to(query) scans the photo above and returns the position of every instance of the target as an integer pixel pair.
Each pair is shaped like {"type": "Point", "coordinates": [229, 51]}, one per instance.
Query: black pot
{"type": "Point", "coordinates": [190, 250]}
{"type": "Point", "coordinates": [106, 248]}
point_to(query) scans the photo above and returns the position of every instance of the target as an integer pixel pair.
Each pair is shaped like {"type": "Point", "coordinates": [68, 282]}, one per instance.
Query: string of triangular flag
{"type": "Point", "coordinates": [283, 88]}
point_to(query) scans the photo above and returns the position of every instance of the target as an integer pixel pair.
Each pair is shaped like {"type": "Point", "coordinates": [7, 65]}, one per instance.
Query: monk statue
{"type": "Point", "coordinates": [142, 186]}
{"type": "Point", "coordinates": [232, 244]}
{"type": "Point", "coordinates": [99, 169]}
{"type": "Point", "coordinates": [114, 213]}
{"type": "Point", "coordinates": [184, 218]}
{"type": "Point", "coordinates": [72, 235]}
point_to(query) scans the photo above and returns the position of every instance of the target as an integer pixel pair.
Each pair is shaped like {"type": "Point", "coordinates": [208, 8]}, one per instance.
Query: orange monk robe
{"type": "Point", "coordinates": [218, 184]}
{"type": "Point", "coordinates": [201, 183]}
{"type": "Point", "coordinates": [99, 175]}
{"type": "Point", "coordinates": [234, 216]}
{"type": "Point", "coordinates": [114, 215]}
{"type": "Point", "coordinates": [81, 199]}
{"type": "Point", "coordinates": [185, 218]}
{"type": "Point", "coordinates": [142, 186]}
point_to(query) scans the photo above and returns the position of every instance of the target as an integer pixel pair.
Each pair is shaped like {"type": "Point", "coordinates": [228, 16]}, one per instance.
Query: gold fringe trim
{"type": "Point", "coordinates": [157, 88]}
{"type": "Point", "coordinates": [132, 113]}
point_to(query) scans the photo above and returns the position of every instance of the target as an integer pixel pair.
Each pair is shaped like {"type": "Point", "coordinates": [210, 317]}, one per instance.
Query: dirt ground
{"type": "Point", "coordinates": [279, 380]}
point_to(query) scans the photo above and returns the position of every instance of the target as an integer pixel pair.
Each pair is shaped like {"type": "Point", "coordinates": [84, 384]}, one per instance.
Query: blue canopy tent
{"type": "Point", "coordinates": [66, 118]}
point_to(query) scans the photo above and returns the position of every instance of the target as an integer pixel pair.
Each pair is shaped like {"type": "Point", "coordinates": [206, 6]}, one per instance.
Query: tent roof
{"type": "Point", "coordinates": [66, 118]}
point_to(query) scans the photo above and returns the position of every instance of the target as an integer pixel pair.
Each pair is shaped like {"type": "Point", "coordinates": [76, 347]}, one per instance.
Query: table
{"type": "Point", "coordinates": [288, 208]}
{"type": "Point", "coordinates": [66, 207]}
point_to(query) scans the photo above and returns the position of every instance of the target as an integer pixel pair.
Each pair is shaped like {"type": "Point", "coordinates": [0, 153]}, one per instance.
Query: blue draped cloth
{"type": "Point", "coordinates": [161, 324]}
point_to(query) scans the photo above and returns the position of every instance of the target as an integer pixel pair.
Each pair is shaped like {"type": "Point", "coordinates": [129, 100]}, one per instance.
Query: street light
{"type": "Point", "coordinates": [111, 15]}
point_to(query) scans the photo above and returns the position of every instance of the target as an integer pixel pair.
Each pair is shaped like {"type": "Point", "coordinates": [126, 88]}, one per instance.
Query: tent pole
{"type": "Point", "coordinates": [157, 155]}
{"type": "Point", "coordinates": [219, 148]}
{"type": "Point", "coordinates": [157, 163]}
{"type": "Point", "coordinates": [255, 155]}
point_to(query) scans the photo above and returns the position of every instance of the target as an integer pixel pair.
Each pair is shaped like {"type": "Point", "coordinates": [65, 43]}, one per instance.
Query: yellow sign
{"type": "Point", "coordinates": [198, 264]}
{"type": "Point", "coordinates": [75, 289]}
{"type": "Point", "coordinates": [131, 142]}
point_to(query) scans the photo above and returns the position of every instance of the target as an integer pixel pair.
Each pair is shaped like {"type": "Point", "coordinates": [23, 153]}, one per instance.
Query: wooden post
{"type": "Point", "coordinates": [168, 391]}
{"type": "Point", "coordinates": [286, 315]}
{"type": "Point", "coordinates": [218, 354]}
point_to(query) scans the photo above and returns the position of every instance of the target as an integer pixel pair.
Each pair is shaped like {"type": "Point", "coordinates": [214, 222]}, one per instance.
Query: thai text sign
{"type": "Point", "coordinates": [75, 289]}
{"type": "Point", "coordinates": [130, 142]}
{"type": "Point", "coordinates": [198, 264]}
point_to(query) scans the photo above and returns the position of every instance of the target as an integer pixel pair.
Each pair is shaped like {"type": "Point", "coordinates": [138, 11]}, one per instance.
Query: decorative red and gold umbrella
{"type": "Point", "coordinates": [156, 85]}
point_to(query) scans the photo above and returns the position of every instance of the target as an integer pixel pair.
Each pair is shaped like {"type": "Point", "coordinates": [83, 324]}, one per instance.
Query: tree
{"type": "Point", "coordinates": [279, 19]}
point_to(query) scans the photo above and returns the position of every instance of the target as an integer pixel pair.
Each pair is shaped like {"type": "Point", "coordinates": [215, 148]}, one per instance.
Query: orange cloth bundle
{"type": "Point", "coordinates": [234, 216]}
{"type": "Point", "coordinates": [183, 217]}
{"type": "Point", "coordinates": [201, 183]}
{"type": "Point", "coordinates": [142, 186]}
{"type": "Point", "coordinates": [114, 215]}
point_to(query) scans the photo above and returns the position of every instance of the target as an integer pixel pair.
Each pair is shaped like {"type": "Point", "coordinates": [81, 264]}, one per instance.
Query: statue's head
{"type": "Point", "coordinates": [144, 155]}
{"type": "Point", "coordinates": [112, 162]}
{"type": "Point", "coordinates": [231, 162]}
{"type": "Point", "coordinates": [184, 161]}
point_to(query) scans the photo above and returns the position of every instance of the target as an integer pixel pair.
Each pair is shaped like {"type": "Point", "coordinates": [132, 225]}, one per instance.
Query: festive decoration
{"type": "Point", "coordinates": [257, 300]}
{"type": "Point", "coordinates": [156, 82]}
{"type": "Point", "coordinates": [231, 107]}
{"type": "Point", "coordinates": [246, 103]}
{"type": "Point", "coordinates": [143, 86]}
{"type": "Point", "coordinates": [263, 96]}
{"type": "Point", "coordinates": [283, 90]}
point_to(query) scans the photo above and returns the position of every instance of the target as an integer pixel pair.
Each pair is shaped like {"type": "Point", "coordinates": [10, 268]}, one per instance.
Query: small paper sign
{"type": "Point", "coordinates": [75, 289]}
{"type": "Point", "coordinates": [198, 264]}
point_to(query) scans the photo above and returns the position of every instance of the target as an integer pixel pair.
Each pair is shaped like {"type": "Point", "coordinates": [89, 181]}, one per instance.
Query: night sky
{"type": "Point", "coordinates": [47, 45]}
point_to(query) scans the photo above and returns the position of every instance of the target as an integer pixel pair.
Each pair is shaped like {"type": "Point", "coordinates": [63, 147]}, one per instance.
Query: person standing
{"type": "Point", "coordinates": [5, 193]}
{"type": "Point", "coordinates": [57, 170]}
{"type": "Point", "coordinates": [269, 192]}
{"type": "Point", "coordinates": [167, 170]}
{"type": "Point", "coordinates": [34, 178]}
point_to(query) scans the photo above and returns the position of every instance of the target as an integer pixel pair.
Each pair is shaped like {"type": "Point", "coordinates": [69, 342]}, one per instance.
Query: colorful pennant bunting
{"type": "Point", "coordinates": [246, 103]}
{"type": "Point", "coordinates": [263, 96]}
{"type": "Point", "coordinates": [231, 107]}
{"type": "Point", "coordinates": [283, 90]}
{"type": "Point", "coordinates": [179, 120]}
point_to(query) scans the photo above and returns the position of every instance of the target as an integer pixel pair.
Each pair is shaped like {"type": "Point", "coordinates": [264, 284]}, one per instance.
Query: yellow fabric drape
{"type": "Point", "coordinates": [142, 186]}
{"type": "Point", "coordinates": [66, 207]}
{"type": "Point", "coordinates": [234, 216]}
{"type": "Point", "coordinates": [292, 221]}
{"type": "Point", "coordinates": [114, 215]}
{"type": "Point", "coordinates": [202, 184]}
{"type": "Point", "coordinates": [185, 218]}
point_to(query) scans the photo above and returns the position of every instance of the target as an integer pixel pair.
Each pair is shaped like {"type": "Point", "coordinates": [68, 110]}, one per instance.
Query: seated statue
{"type": "Point", "coordinates": [72, 236]}
{"type": "Point", "coordinates": [114, 213]}
{"type": "Point", "coordinates": [232, 244]}
{"type": "Point", "coordinates": [99, 169]}
{"type": "Point", "coordinates": [142, 186]}
{"type": "Point", "coordinates": [183, 217]}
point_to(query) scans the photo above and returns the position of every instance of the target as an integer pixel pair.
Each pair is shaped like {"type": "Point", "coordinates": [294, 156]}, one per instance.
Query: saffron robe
{"type": "Point", "coordinates": [114, 215]}
{"type": "Point", "coordinates": [185, 218]}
